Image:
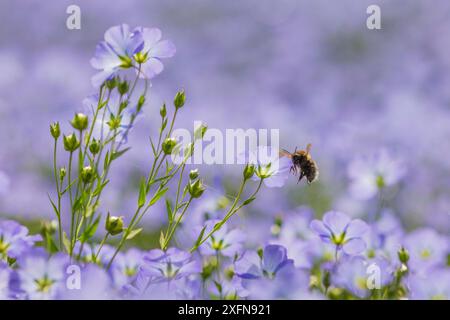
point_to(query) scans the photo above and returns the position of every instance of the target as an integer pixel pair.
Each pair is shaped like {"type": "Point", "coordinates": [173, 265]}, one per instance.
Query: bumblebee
{"type": "Point", "coordinates": [302, 164]}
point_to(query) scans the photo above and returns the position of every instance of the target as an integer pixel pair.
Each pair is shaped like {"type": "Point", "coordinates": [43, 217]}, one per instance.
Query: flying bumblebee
{"type": "Point", "coordinates": [302, 164]}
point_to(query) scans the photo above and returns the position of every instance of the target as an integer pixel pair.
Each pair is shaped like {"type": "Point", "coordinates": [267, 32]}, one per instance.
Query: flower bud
{"type": "Point", "coordinates": [114, 225]}
{"type": "Point", "coordinates": [123, 87]}
{"type": "Point", "coordinates": [193, 174]}
{"type": "Point", "coordinates": [87, 174]}
{"type": "Point", "coordinates": [179, 100]}
{"type": "Point", "coordinates": [168, 145]}
{"type": "Point", "coordinates": [62, 173]}
{"type": "Point", "coordinates": [79, 121]}
{"type": "Point", "coordinates": [94, 147]}
{"type": "Point", "coordinates": [249, 171]}
{"type": "Point", "coordinates": [71, 142]}
{"type": "Point", "coordinates": [200, 131]}
{"type": "Point", "coordinates": [55, 130]}
{"type": "Point", "coordinates": [403, 255]}
{"type": "Point", "coordinates": [163, 111]}
{"type": "Point", "coordinates": [111, 83]}
{"type": "Point", "coordinates": [196, 189]}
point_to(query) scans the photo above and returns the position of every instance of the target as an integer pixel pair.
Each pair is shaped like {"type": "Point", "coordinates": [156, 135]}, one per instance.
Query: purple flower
{"type": "Point", "coordinates": [433, 285]}
{"type": "Point", "coordinates": [155, 49]}
{"type": "Point", "coordinates": [94, 284]}
{"type": "Point", "coordinates": [126, 267]}
{"type": "Point", "coordinates": [369, 174]}
{"type": "Point", "coordinates": [426, 248]}
{"type": "Point", "coordinates": [168, 265]}
{"type": "Point", "coordinates": [337, 228]}
{"type": "Point", "coordinates": [229, 289]}
{"type": "Point", "coordinates": [115, 52]}
{"type": "Point", "coordinates": [5, 275]}
{"type": "Point", "coordinates": [252, 266]}
{"type": "Point", "coordinates": [227, 243]}
{"type": "Point", "coordinates": [269, 165]}
{"type": "Point", "coordinates": [41, 277]}
{"type": "Point", "coordinates": [14, 239]}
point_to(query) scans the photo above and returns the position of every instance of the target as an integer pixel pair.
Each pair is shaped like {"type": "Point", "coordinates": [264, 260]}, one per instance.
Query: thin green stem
{"type": "Point", "coordinates": [58, 190]}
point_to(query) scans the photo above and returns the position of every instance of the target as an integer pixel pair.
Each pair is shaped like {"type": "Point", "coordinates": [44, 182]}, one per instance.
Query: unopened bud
{"type": "Point", "coordinates": [94, 147]}
{"type": "Point", "coordinates": [87, 174]}
{"type": "Point", "coordinates": [79, 121]}
{"type": "Point", "coordinates": [179, 99]}
{"type": "Point", "coordinates": [168, 145]}
{"type": "Point", "coordinates": [196, 189]}
{"type": "Point", "coordinates": [249, 171]}
{"type": "Point", "coordinates": [114, 225]}
{"type": "Point", "coordinates": [55, 130]}
{"type": "Point", "coordinates": [403, 255]}
{"type": "Point", "coordinates": [163, 111]}
{"type": "Point", "coordinates": [62, 173]}
{"type": "Point", "coordinates": [193, 174]}
{"type": "Point", "coordinates": [123, 87]}
{"type": "Point", "coordinates": [71, 142]}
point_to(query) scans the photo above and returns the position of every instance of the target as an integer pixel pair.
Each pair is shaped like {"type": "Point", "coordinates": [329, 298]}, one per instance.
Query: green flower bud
{"type": "Point", "coordinates": [71, 142]}
{"type": "Point", "coordinates": [179, 100]}
{"type": "Point", "coordinates": [94, 147]}
{"type": "Point", "coordinates": [62, 173]}
{"type": "Point", "coordinates": [111, 83]}
{"type": "Point", "coordinates": [403, 255]}
{"type": "Point", "coordinates": [114, 225]}
{"type": "Point", "coordinates": [249, 171]}
{"type": "Point", "coordinates": [196, 189]}
{"type": "Point", "coordinates": [168, 145]}
{"type": "Point", "coordinates": [200, 131]}
{"type": "Point", "coordinates": [55, 130]}
{"type": "Point", "coordinates": [193, 174]}
{"type": "Point", "coordinates": [123, 87]}
{"type": "Point", "coordinates": [79, 121]}
{"type": "Point", "coordinates": [123, 105]}
{"type": "Point", "coordinates": [163, 111]}
{"type": "Point", "coordinates": [87, 174]}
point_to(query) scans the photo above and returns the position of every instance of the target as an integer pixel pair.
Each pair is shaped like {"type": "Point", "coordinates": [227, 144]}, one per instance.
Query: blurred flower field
{"type": "Point", "coordinates": [95, 196]}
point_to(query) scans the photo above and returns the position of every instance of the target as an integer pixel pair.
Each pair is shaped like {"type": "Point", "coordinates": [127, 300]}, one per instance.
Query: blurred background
{"type": "Point", "coordinates": [309, 68]}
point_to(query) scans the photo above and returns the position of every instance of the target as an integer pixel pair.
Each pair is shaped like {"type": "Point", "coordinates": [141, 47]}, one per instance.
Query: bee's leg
{"type": "Point", "coordinates": [293, 170]}
{"type": "Point", "coordinates": [300, 177]}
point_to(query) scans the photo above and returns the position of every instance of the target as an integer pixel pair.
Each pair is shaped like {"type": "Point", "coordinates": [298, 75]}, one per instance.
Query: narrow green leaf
{"type": "Point", "coordinates": [169, 210]}
{"type": "Point", "coordinates": [90, 230]}
{"type": "Point", "coordinates": [118, 154]}
{"type": "Point", "coordinates": [142, 193]}
{"type": "Point", "coordinates": [158, 195]}
{"type": "Point", "coordinates": [162, 240]}
{"type": "Point", "coordinates": [200, 237]}
{"type": "Point", "coordinates": [66, 242]}
{"type": "Point", "coordinates": [153, 146]}
{"type": "Point", "coordinates": [134, 233]}
{"type": "Point", "coordinates": [99, 188]}
{"type": "Point", "coordinates": [249, 200]}
{"type": "Point", "coordinates": [53, 205]}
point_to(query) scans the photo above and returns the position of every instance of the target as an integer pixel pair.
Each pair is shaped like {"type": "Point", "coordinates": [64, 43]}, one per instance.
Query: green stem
{"type": "Point", "coordinates": [58, 190]}
{"type": "Point", "coordinates": [69, 179]}
{"type": "Point", "coordinates": [101, 246]}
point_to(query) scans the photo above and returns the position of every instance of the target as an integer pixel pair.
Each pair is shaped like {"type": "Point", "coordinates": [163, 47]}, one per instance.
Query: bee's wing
{"type": "Point", "coordinates": [284, 153]}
